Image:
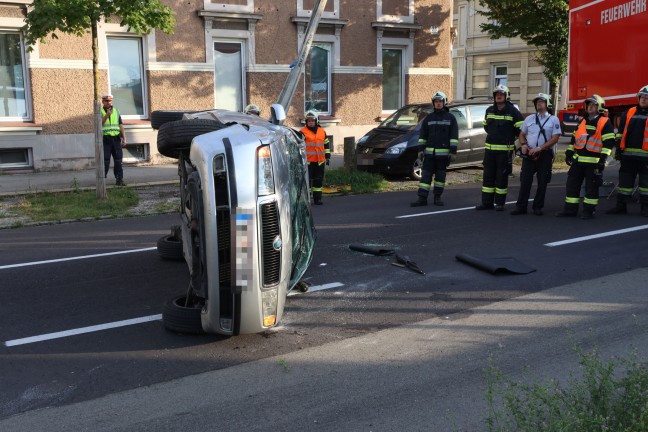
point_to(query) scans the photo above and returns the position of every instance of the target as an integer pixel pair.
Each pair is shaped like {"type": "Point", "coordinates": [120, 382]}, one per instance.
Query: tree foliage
{"type": "Point", "coordinates": [543, 24]}
{"type": "Point", "coordinates": [46, 17]}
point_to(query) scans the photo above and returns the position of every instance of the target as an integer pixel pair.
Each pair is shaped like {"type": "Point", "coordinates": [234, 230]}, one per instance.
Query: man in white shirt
{"type": "Point", "coordinates": [538, 135]}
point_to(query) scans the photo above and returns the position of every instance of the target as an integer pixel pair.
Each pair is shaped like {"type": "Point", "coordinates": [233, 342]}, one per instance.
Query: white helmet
{"type": "Point", "coordinates": [439, 95]}
{"type": "Point", "coordinates": [312, 115]}
{"type": "Point", "coordinates": [252, 109]}
{"type": "Point", "coordinates": [542, 96]}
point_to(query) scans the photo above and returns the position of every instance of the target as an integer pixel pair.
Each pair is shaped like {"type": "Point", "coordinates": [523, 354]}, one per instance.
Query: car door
{"type": "Point", "coordinates": [477, 132]}
{"type": "Point", "coordinates": [463, 146]}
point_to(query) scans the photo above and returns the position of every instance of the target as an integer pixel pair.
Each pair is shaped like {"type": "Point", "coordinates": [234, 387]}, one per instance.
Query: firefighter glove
{"type": "Point", "coordinates": [617, 154]}
{"type": "Point", "coordinates": [569, 157]}
{"type": "Point", "coordinates": [328, 161]}
{"type": "Point", "coordinates": [451, 158]}
{"type": "Point", "coordinates": [601, 165]}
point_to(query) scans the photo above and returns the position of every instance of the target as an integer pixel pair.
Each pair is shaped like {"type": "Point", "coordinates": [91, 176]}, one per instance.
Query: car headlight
{"type": "Point", "coordinates": [396, 149]}
{"type": "Point", "coordinates": [269, 306]}
{"type": "Point", "coordinates": [265, 179]}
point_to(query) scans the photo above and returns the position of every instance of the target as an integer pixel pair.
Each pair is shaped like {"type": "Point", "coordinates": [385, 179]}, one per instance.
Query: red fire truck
{"type": "Point", "coordinates": [607, 55]}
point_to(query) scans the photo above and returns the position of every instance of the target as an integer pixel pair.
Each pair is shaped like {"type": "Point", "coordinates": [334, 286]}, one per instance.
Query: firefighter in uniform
{"type": "Point", "coordinates": [438, 138]}
{"type": "Point", "coordinates": [318, 153]}
{"type": "Point", "coordinates": [252, 109]}
{"type": "Point", "coordinates": [590, 146]}
{"type": "Point", "coordinates": [633, 153]}
{"type": "Point", "coordinates": [502, 123]}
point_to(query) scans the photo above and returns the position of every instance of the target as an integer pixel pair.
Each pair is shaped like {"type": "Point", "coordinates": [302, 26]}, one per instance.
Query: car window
{"type": "Point", "coordinates": [477, 114]}
{"type": "Point", "coordinates": [407, 117]}
{"type": "Point", "coordinates": [460, 115]}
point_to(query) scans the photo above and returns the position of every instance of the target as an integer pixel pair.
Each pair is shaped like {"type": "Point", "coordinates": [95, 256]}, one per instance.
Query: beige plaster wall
{"type": "Point", "coordinates": [187, 43]}
{"type": "Point", "coordinates": [263, 91]}
{"type": "Point", "coordinates": [420, 88]}
{"type": "Point", "coordinates": [178, 90]}
{"type": "Point", "coordinates": [12, 12]}
{"type": "Point", "coordinates": [433, 50]}
{"type": "Point", "coordinates": [395, 7]}
{"type": "Point", "coordinates": [66, 47]}
{"type": "Point", "coordinates": [63, 100]}
{"type": "Point", "coordinates": [275, 30]}
{"type": "Point", "coordinates": [358, 98]}
{"type": "Point", "coordinates": [358, 44]}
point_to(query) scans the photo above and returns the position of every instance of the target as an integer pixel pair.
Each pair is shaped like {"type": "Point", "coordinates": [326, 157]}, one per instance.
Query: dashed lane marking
{"type": "Point", "coordinates": [595, 236]}
{"type": "Point", "coordinates": [75, 258]}
{"type": "Point", "coordinates": [444, 211]}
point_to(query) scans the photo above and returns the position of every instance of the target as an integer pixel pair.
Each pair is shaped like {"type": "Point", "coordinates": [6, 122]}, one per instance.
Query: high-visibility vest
{"type": "Point", "coordinates": [631, 113]}
{"type": "Point", "coordinates": [314, 144]}
{"type": "Point", "coordinates": [592, 143]}
{"type": "Point", "coordinates": [111, 127]}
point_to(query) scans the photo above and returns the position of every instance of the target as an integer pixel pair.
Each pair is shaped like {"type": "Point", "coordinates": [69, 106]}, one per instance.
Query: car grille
{"type": "Point", "coordinates": [271, 257]}
{"type": "Point", "coordinates": [223, 230]}
{"type": "Point", "coordinates": [366, 150]}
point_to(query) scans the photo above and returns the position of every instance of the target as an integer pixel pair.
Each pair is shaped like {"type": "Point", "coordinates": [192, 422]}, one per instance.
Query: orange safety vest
{"type": "Point", "coordinates": [593, 143]}
{"type": "Point", "coordinates": [631, 113]}
{"type": "Point", "coordinates": [314, 144]}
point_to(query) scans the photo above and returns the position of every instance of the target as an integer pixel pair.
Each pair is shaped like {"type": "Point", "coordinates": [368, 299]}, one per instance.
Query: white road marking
{"type": "Point", "coordinates": [595, 236]}
{"type": "Point", "coordinates": [82, 330]}
{"type": "Point", "coordinates": [445, 211]}
{"type": "Point", "coordinates": [317, 288]}
{"type": "Point", "coordinates": [75, 258]}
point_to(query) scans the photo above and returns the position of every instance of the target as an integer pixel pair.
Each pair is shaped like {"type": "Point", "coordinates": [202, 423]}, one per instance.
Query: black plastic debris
{"type": "Point", "coordinates": [404, 261]}
{"type": "Point", "coordinates": [371, 250]}
{"type": "Point", "coordinates": [496, 265]}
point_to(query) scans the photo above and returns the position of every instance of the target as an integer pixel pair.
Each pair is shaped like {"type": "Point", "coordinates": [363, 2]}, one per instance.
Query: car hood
{"type": "Point", "coordinates": [381, 137]}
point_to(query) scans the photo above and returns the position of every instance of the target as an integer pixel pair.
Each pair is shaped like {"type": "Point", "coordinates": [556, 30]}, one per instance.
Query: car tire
{"type": "Point", "coordinates": [417, 167]}
{"type": "Point", "coordinates": [158, 118]}
{"type": "Point", "coordinates": [177, 317]}
{"type": "Point", "coordinates": [169, 247]}
{"type": "Point", "coordinates": [175, 137]}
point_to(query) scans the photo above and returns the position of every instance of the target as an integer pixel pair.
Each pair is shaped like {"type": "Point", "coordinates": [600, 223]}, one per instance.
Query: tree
{"type": "Point", "coordinates": [542, 24]}
{"type": "Point", "coordinates": [76, 17]}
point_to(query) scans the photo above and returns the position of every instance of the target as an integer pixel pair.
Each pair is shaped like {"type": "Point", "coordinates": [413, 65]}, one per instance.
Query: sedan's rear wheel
{"type": "Point", "coordinates": [417, 167]}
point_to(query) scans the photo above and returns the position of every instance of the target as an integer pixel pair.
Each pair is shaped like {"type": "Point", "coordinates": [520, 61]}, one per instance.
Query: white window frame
{"type": "Point", "coordinates": [301, 12]}
{"type": "Point", "coordinates": [12, 26]}
{"type": "Point", "coordinates": [403, 50]}
{"type": "Point", "coordinates": [244, 56]}
{"type": "Point", "coordinates": [328, 46]}
{"type": "Point", "coordinates": [496, 76]}
{"type": "Point", "coordinates": [409, 18]}
{"type": "Point", "coordinates": [226, 7]}
{"type": "Point", "coordinates": [143, 60]}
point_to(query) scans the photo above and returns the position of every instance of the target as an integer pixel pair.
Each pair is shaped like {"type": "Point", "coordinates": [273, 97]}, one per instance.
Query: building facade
{"type": "Point", "coordinates": [480, 63]}
{"type": "Point", "coordinates": [369, 57]}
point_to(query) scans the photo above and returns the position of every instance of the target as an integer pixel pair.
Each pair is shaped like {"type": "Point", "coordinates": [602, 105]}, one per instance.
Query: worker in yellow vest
{"type": "Point", "coordinates": [114, 138]}
{"type": "Point", "coordinates": [318, 153]}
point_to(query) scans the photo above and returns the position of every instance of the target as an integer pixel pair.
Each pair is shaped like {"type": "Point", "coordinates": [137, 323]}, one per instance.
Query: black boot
{"type": "Point", "coordinates": [587, 214]}
{"type": "Point", "coordinates": [421, 202]}
{"type": "Point", "coordinates": [437, 200]}
{"type": "Point", "coordinates": [621, 208]}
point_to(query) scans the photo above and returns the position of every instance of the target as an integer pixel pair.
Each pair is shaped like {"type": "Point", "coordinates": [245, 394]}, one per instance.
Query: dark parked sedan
{"type": "Point", "coordinates": [392, 148]}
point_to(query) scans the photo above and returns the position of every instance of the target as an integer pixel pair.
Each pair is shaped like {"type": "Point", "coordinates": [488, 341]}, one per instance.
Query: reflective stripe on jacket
{"type": "Point", "coordinates": [439, 133]}
{"type": "Point", "coordinates": [111, 127]}
{"type": "Point", "coordinates": [502, 127]}
{"type": "Point", "coordinates": [593, 140]}
{"type": "Point", "coordinates": [644, 145]}
{"type": "Point", "coordinates": [315, 143]}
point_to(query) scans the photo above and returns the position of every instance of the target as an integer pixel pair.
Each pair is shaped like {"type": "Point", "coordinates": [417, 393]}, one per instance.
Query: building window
{"type": "Point", "coordinates": [317, 79]}
{"type": "Point", "coordinates": [392, 79]}
{"type": "Point", "coordinates": [126, 76]}
{"type": "Point", "coordinates": [15, 158]}
{"type": "Point", "coordinates": [13, 100]}
{"type": "Point", "coordinates": [135, 153]}
{"type": "Point", "coordinates": [228, 75]}
{"type": "Point", "coordinates": [500, 73]}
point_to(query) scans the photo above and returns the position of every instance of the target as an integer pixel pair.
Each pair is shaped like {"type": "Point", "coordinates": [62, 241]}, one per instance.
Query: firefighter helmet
{"type": "Point", "coordinates": [312, 115]}
{"type": "Point", "coordinates": [542, 96]}
{"type": "Point", "coordinates": [502, 89]}
{"type": "Point", "coordinates": [252, 109]}
{"type": "Point", "coordinates": [598, 100]}
{"type": "Point", "coordinates": [440, 96]}
{"type": "Point", "coordinates": [643, 91]}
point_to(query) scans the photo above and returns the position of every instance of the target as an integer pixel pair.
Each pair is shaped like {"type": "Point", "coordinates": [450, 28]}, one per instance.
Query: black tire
{"type": "Point", "coordinates": [176, 136]}
{"type": "Point", "coordinates": [417, 167]}
{"type": "Point", "coordinates": [158, 118]}
{"type": "Point", "coordinates": [176, 317]}
{"type": "Point", "coordinates": [169, 247]}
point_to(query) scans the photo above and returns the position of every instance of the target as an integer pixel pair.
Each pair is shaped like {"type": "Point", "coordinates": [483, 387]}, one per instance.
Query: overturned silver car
{"type": "Point", "coordinates": [246, 228]}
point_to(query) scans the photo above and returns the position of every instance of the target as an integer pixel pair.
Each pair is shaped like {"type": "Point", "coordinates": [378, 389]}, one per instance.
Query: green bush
{"type": "Point", "coordinates": [608, 396]}
{"type": "Point", "coordinates": [360, 181]}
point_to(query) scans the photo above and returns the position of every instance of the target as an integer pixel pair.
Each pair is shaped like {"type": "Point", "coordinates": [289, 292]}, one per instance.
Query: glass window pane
{"type": "Point", "coordinates": [125, 74]}
{"type": "Point", "coordinates": [228, 82]}
{"type": "Point", "coordinates": [316, 80]}
{"type": "Point", "coordinates": [460, 115]}
{"type": "Point", "coordinates": [392, 79]}
{"type": "Point", "coordinates": [12, 79]}
{"type": "Point", "coordinates": [477, 114]}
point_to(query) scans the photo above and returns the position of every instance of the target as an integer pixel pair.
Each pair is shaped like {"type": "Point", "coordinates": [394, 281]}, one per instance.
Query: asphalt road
{"type": "Point", "coordinates": [369, 295]}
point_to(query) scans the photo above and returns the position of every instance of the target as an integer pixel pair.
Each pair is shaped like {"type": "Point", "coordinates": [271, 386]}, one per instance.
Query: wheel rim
{"type": "Point", "coordinates": [417, 169]}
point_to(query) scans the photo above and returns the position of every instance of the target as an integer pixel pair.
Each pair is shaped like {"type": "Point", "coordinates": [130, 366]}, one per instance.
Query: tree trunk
{"type": "Point", "coordinates": [99, 160]}
{"type": "Point", "coordinates": [555, 91]}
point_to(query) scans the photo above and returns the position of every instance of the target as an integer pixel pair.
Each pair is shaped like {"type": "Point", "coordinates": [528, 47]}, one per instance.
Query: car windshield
{"type": "Point", "coordinates": [303, 228]}
{"type": "Point", "coordinates": [407, 117]}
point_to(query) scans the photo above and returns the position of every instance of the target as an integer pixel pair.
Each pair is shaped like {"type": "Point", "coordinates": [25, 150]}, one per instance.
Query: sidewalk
{"type": "Point", "coordinates": [134, 176]}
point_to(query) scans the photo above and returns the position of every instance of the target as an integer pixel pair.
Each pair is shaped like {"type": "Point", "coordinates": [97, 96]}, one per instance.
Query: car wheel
{"type": "Point", "coordinates": [158, 118]}
{"type": "Point", "coordinates": [177, 316]}
{"type": "Point", "coordinates": [169, 247]}
{"type": "Point", "coordinates": [176, 136]}
{"type": "Point", "coordinates": [417, 167]}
